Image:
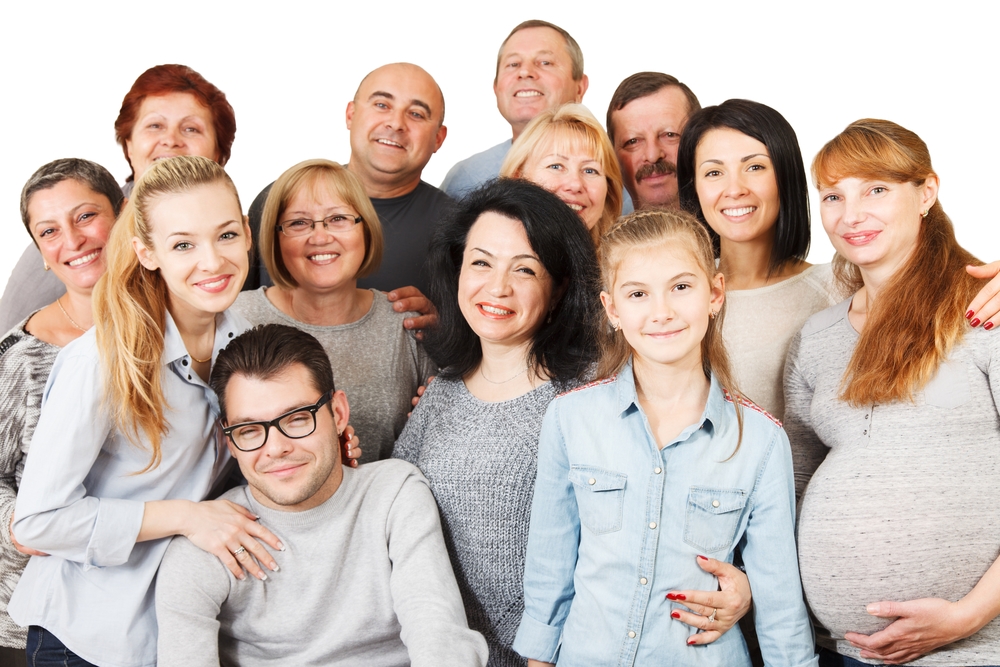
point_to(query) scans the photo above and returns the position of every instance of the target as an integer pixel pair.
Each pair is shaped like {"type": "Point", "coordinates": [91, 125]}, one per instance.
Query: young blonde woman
{"type": "Point", "coordinates": [566, 151]}
{"type": "Point", "coordinates": [126, 444]}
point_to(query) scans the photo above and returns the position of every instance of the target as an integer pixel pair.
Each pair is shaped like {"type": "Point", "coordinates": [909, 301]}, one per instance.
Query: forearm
{"type": "Point", "coordinates": [164, 518]}
{"type": "Point", "coordinates": [982, 604]}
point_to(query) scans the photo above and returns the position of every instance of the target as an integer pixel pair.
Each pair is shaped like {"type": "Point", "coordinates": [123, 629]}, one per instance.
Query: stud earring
{"type": "Point", "coordinates": [46, 264]}
{"type": "Point", "coordinates": [924, 214]}
{"type": "Point", "coordinates": [711, 314]}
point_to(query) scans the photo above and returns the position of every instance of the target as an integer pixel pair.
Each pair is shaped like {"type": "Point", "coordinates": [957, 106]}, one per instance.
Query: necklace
{"type": "Point", "coordinates": [200, 361]}
{"type": "Point", "coordinates": [520, 373]}
{"type": "Point", "coordinates": [71, 320]}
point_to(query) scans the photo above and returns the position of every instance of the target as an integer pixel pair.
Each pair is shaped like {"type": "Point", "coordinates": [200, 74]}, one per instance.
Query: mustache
{"type": "Point", "coordinates": [659, 168]}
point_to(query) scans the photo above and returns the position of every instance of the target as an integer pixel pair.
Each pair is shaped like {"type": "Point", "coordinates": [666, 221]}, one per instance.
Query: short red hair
{"type": "Point", "coordinates": [166, 79]}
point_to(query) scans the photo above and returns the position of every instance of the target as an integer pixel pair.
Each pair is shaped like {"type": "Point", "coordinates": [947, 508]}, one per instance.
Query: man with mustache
{"type": "Point", "coordinates": [539, 67]}
{"type": "Point", "coordinates": [646, 116]}
{"type": "Point", "coordinates": [363, 574]}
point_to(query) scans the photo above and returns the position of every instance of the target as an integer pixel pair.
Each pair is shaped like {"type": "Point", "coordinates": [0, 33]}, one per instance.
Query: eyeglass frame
{"type": "Point", "coordinates": [311, 409]}
{"type": "Point", "coordinates": [312, 228]}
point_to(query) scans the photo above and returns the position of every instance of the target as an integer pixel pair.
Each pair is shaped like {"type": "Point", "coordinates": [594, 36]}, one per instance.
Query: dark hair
{"type": "Point", "coordinates": [644, 84]}
{"type": "Point", "coordinates": [166, 79]}
{"type": "Point", "coordinates": [564, 346]}
{"type": "Point", "coordinates": [791, 230]}
{"type": "Point", "coordinates": [572, 47]}
{"type": "Point", "coordinates": [91, 174]}
{"type": "Point", "coordinates": [267, 350]}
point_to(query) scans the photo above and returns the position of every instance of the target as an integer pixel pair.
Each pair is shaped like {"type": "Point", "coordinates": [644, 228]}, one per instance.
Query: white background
{"type": "Point", "coordinates": [289, 68]}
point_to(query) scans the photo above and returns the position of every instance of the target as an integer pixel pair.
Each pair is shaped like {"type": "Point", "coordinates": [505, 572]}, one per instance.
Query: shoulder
{"type": "Point", "coordinates": [249, 303]}
{"type": "Point", "coordinates": [752, 408]}
{"type": "Point", "coordinates": [821, 280]}
{"type": "Point", "coordinates": [825, 319]}
{"type": "Point", "coordinates": [435, 198]}
{"type": "Point", "coordinates": [590, 387]}
{"type": "Point", "coordinates": [475, 169]}
{"type": "Point", "coordinates": [388, 473]}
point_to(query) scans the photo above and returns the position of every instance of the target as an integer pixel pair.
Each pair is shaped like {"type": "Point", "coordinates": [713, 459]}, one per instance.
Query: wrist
{"type": "Point", "coordinates": [968, 617]}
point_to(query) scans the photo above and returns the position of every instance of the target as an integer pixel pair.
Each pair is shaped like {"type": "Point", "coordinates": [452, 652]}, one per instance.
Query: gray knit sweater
{"type": "Point", "coordinates": [376, 362]}
{"type": "Point", "coordinates": [25, 363]}
{"type": "Point", "coordinates": [903, 499]}
{"type": "Point", "coordinates": [480, 459]}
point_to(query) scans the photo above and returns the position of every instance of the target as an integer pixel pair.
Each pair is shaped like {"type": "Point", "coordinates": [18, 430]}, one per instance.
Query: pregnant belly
{"type": "Point", "coordinates": [871, 531]}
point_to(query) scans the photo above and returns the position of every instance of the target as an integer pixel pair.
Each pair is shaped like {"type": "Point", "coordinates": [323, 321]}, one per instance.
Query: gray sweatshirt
{"type": "Point", "coordinates": [903, 499]}
{"type": "Point", "coordinates": [364, 580]}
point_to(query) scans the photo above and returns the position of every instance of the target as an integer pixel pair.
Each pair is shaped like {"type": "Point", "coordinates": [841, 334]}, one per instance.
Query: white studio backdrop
{"type": "Point", "coordinates": [289, 68]}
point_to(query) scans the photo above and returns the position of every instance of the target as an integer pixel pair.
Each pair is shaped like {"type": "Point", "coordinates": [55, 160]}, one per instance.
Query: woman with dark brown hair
{"type": "Point", "coordinates": [892, 417]}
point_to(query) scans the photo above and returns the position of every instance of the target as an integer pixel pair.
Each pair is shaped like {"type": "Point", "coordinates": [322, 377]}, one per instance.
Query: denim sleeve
{"type": "Point", "coordinates": [54, 512]}
{"type": "Point", "coordinates": [553, 542]}
{"type": "Point", "coordinates": [769, 554]}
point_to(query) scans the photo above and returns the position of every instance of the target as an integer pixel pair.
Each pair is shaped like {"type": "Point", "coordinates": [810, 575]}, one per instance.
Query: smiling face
{"type": "Point", "coordinates": [647, 136]}
{"type": "Point", "coordinates": [199, 241]}
{"type": "Point", "coordinates": [875, 223]}
{"type": "Point", "coordinates": [574, 174]}
{"type": "Point", "coordinates": [395, 121]}
{"type": "Point", "coordinates": [70, 223]}
{"type": "Point", "coordinates": [504, 291]}
{"type": "Point", "coordinates": [324, 259]}
{"type": "Point", "coordinates": [290, 474]}
{"type": "Point", "coordinates": [534, 73]}
{"type": "Point", "coordinates": [736, 186]}
{"type": "Point", "coordinates": [170, 125]}
{"type": "Point", "coordinates": [662, 300]}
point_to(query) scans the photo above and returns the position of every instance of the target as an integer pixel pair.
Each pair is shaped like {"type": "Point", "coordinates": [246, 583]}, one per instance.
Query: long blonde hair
{"type": "Point", "coordinates": [892, 361]}
{"type": "Point", "coordinates": [130, 305]}
{"type": "Point", "coordinates": [571, 123]}
{"type": "Point", "coordinates": [649, 229]}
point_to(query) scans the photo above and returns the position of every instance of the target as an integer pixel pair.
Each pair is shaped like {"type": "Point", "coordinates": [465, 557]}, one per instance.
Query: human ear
{"type": "Point", "coordinates": [581, 88]}
{"type": "Point", "coordinates": [341, 411]}
{"type": "Point", "coordinates": [442, 133]}
{"type": "Point", "coordinates": [246, 232]}
{"type": "Point", "coordinates": [609, 309]}
{"type": "Point", "coordinates": [928, 192]}
{"type": "Point", "coordinates": [144, 254]}
{"type": "Point", "coordinates": [349, 114]}
{"type": "Point", "coordinates": [718, 292]}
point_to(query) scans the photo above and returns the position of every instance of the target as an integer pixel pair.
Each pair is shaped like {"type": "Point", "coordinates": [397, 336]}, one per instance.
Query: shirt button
{"type": "Point", "coordinates": [631, 634]}
{"type": "Point", "coordinates": [184, 362]}
{"type": "Point", "coordinates": [643, 581]}
{"type": "Point", "coordinates": [715, 503]}
{"type": "Point", "coordinates": [591, 481]}
{"type": "Point", "coordinates": [230, 334]}
{"type": "Point", "coordinates": [865, 433]}
{"type": "Point", "coordinates": [866, 416]}
{"type": "Point", "coordinates": [652, 524]}
{"type": "Point", "coordinates": [189, 377]}
{"type": "Point", "coordinates": [657, 471]}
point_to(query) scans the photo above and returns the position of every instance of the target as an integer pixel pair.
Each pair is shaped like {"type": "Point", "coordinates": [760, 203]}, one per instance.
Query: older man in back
{"type": "Point", "coordinates": [539, 67]}
{"type": "Point", "coordinates": [646, 117]}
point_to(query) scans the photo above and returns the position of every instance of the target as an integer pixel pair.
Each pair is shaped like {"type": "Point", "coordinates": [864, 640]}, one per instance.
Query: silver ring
{"type": "Point", "coordinates": [711, 619]}
{"type": "Point", "coordinates": [243, 550]}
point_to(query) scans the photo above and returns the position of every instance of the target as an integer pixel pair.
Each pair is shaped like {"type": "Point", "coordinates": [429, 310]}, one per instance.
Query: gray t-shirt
{"type": "Point", "coordinates": [376, 362]}
{"type": "Point", "coordinates": [475, 170]}
{"type": "Point", "coordinates": [29, 288]}
{"type": "Point", "coordinates": [903, 499]}
{"type": "Point", "coordinates": [364, 580]}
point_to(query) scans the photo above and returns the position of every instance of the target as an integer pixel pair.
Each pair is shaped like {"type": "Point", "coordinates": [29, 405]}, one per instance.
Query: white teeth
{"type": "Point", "coordinates": [323, 257]}
{"type": "Point", "coordinates": [496, 311]}
{"type": "Point", "coordinates": [575, 207]}
{"type": "Point", "coordinates": [214, 284]}
{"type": "Point", "coordinates": [737, 212]}
{"type": "Point", "coordinates": [527, 93]}
{"type": "Point", "coordinates": [389, 143]}
{"type": "Point", "coordinates": [86, 258]}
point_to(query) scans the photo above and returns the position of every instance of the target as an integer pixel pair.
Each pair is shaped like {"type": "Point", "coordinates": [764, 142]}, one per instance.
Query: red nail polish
{"type": "Point", "coordinates": [988, 326]}
{"type": "Point", "coordinates": [974, 323]}
{"type": "Point", "coordinates": [681, 596]}
{"type": "Point", "coordinates": [671, 596]}
{"type": "Point", "coordinates": [702, 557]}
{"type": "Point", "coordinates": [675, 614]}
{"type": "Point", "coordinates": [969, 314]}
{"type": "Point", "coordinates": [691, 642]}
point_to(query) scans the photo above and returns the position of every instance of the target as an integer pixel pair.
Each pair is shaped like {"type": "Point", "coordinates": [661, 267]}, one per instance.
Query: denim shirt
{"type": "Point", "coordinates": [597, 571]}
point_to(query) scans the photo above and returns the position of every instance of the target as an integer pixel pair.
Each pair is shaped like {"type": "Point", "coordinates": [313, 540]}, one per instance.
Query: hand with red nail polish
{"type": "Point", "coordinates": [985, 307]}
{"type": "Point", "coordinates": [730, 603]}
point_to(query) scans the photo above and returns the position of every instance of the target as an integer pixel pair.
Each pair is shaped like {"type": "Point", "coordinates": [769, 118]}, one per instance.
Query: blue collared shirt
{"type": "Point", "coordinates": [616, 523]}
{"type": "Point", "coordinates": [82, 502]}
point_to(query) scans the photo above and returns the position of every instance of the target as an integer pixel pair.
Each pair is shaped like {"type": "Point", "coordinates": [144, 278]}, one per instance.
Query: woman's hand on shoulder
{"type": "Point", "coordinates": [409, 298]}
{"type": "Point", "coordinates": [985, 308]}
{"type": "Point", "coordinates": [233, 534]}
{"type": "Point", "coordinates": [714, 612]}
{"type": "Point", "coordinates": [920, 626]}
{"type": "Point", "coordinates": [351, 446]}
{"type": "Point", "coordinates": [420, 392]}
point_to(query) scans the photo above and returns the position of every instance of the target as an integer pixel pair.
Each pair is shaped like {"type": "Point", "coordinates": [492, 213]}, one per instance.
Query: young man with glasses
{"type": "Point", "coordinates": [364, 576]}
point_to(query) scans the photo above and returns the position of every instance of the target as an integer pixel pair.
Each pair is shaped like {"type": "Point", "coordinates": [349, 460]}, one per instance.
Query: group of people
{"type": "Point", "coordinates": [587, 339]}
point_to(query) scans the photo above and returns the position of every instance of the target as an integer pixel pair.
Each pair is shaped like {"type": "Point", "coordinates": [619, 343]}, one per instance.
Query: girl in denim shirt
{"type": "Point", "coordinates": [645, 473]}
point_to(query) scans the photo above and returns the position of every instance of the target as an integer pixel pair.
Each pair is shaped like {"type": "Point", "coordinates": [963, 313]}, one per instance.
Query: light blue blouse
{"type": "Point", "coordinates": [82, 502]}
{"type": "Point", "coordinates": [616, 523]}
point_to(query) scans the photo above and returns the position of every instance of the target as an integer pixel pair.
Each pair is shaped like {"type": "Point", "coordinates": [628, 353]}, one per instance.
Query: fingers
{"type": "Point", "coordinates": [703, 638]}
{"type": "Point", "coordinates": [403, 293]}
{"type": "Point", "coordinates": [420, 322]}
{"type": "Point", "coordinates": [984, 309]}
{"type": "Point", "coordinates": [351, 447]}
{"type": "Point", "coordinates": [884, 609]}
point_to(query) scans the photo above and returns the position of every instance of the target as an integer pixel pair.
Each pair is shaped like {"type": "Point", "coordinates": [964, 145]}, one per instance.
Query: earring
{"type": "Point", "coordinates": [46, 264]}
{"type": "Point", "coordinates": [924, 214]}
{"type": "Point", "coordinates": [617, 326]}
{"type": "Point", "coordinates": [711, 314]}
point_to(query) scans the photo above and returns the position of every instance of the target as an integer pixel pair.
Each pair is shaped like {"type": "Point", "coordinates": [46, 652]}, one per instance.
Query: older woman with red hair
{"type": "Point", "coordinates": [170, 110]}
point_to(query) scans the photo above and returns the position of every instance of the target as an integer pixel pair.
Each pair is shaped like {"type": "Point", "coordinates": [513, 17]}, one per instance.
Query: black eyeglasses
{"type": "Point", "coordinates": [297, 423]}
{"type": "Point", "coordinates": [338, 222]}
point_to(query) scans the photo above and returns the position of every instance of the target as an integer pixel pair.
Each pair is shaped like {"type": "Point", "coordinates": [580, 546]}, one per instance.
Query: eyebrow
{"type": "Point", "coordinates": [546, 52]}
{"type": "Point", "coordinates": [244, 420]}
{"type": "Point", "coordinates": [524, 256]}
{"type": "Point", "coordinates": [389, 96]}
{"type": "Point", "coordinates": [218, 227]}
{"type": "Point", "coordinates": [72, 211]}
{"type": "Point", "coordinates": [743, 159]}
{"type": "Point", "coordinates": [636, 283]}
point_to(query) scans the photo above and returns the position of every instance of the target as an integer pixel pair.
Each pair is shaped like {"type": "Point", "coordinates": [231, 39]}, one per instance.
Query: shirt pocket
{"type": "Point", "coordinates": [949, 388]}
{"type": "Point", "coordinates": [713, 515]}
{"type": "Point", "coordinates": [600, 494]}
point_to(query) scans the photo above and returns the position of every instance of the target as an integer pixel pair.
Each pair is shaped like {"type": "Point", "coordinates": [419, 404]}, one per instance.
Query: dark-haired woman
{"type": "Point", "coordinates": [893, 421]}
{"type": "Point", "coordinates": [514, 276]}
{"type": "Point", "coordinates": [740, 172]}
{"type": "Point", "coordinates": [169, 110]}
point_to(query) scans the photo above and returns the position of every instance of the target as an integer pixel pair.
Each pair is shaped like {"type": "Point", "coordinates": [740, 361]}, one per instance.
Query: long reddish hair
{"type": "Point", "coordinates": [893, 360]}
{"type": "Point", "coordinates": [166, 79]}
